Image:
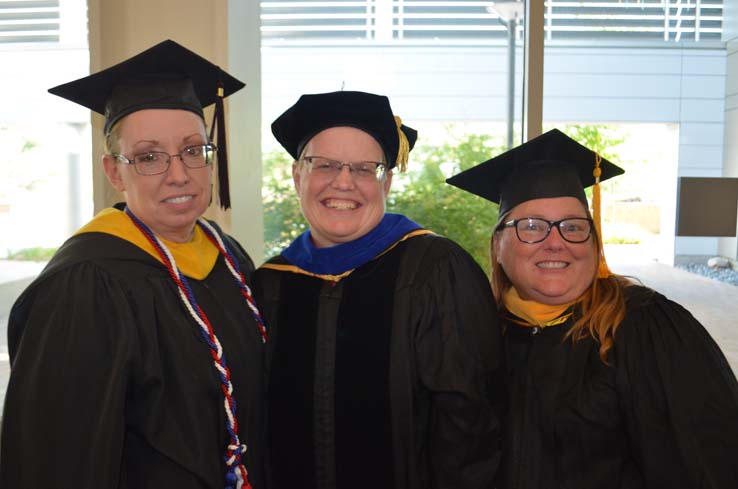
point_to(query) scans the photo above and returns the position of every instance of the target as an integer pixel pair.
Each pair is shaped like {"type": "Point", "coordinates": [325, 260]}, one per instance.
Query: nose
{"type": "Point", "coordinates": [344, 180]}
{"type": "Point", "coordinates": [554, 239]}
{"type": "Point", "coordinates": [177, 173]}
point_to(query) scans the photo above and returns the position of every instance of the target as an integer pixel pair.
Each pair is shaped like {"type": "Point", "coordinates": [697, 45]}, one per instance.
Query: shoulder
{"type": "Point", "coordinates": [91, 269]}
{"type": "Point", "coordinates": [666, 357]}
{"type": "Point", "coordinates": [433, 247]}
{"type": "Point", "coordinates": [642, 302]}
{"type": "Point", "coordinates": [98, 253]}
{"type": "Point", "coordinates": [655, 324]}
{"type": "Point", "coordinates": [93, 262]}
{"type": "Point", "coordinates": [267, 280]}
{"type": "Point", "coordinates": [277, 260]}
{"type": "Point", "coordinates": [266, 267]}
{"type": "Point", "coordinates": [102, 251]}
{"type": "Point", "coordinates": [638, 296]}
{"type": "Point", "coordinates": [429, 257]}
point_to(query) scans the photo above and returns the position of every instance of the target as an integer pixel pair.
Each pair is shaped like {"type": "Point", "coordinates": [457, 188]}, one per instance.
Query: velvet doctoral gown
{"type": "Point", "coordinates": [385, 375]}
{"type": "Point", "coordinates": [112, 384]}
{"type": "Point", "coordinates": [662, 414]}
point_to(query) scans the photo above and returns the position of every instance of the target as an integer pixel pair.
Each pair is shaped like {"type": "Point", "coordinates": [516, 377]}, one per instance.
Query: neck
{"type": "Point", "coordinates": [178, 237]}
{"type": "Point", "coordinates": [534, 313]}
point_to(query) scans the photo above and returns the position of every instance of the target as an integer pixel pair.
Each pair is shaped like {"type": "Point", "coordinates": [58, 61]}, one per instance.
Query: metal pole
{"type": "Point", "coordinates": [511, 27]}
{"type": "Point", "coordinates": [533, 70]}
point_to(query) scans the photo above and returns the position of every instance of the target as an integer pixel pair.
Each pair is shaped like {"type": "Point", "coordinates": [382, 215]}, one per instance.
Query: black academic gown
{"type": "Point", "coordinates": [662, 415]}
{"type": "Point", "coordinates": [388, 378]}
{"type": "Point", "coordinates": [112, 385]}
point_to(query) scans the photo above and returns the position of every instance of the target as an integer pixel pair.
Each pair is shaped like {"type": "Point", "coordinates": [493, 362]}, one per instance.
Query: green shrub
{"type": "Point", "coordinates": [622, 240]}
{"type": "Point", "coordinates": [33, 254]}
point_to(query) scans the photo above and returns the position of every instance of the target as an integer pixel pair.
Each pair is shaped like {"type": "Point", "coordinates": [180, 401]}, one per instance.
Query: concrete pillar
{"type": "Point", "coordinates": [729, 246]}
{"type": "Point", "coordinates": [227, 33]}
{"type": "Point", "coordinates": [533, 70]}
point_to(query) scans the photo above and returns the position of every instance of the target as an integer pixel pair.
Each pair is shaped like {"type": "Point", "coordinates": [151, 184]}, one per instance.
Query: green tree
{"type": "Point", "coordinates": [603, 139]}
{"type": "Point", "coordinates": [423, 195]}
{"type": "Point", "coordinates": [283, 221]}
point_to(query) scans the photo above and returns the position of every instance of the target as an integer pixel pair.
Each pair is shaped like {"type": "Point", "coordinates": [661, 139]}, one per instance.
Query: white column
{"type": "Point", "coordinates": [244, 61]}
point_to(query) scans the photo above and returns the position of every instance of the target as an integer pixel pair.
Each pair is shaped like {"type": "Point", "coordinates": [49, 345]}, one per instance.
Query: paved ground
{"type": "Point", "coordinates": [714, 303]}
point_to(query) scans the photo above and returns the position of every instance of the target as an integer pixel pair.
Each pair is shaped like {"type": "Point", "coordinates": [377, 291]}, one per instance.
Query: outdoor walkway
{"type": "Point", "coordinates": [714, 303]}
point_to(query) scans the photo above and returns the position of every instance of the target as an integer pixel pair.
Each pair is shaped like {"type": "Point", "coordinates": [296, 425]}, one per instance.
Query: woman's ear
{"type": "Point", "coordinates": [387, 183]}
{"type": "Point", "coordinates": [112, 171]}
{"type": "Point", "coordinates": [296, 176]}
{"type": "Point", "coordinates": [495, 245]}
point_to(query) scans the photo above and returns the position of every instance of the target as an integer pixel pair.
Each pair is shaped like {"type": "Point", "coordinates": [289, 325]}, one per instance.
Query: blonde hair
{"type": "Point", "coordinates": [601, 308]}
{"type": "Point", "coordinates": [111, 142]}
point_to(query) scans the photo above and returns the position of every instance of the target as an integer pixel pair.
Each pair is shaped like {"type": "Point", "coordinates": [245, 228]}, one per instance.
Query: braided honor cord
{"type": "Point", "coordinates": [236, 474]}
{"type": "Point", "coordinates": [217, 241]}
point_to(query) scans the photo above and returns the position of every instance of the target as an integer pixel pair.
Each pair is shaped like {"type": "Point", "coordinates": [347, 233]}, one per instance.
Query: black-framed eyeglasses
{"type": "Point", "coordinates": [157, 162]}
{"type": "Point", "coordinates": [534, 230]}
{"type": "Point", "coordinates": [360, 170]}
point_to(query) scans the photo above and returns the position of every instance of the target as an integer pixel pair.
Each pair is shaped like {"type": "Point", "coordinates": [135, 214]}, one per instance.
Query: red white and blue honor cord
{"type": "Point", "coordinates": [236, 474]}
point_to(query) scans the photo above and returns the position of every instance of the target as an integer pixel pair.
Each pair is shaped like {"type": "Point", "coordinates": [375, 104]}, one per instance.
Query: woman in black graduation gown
{"type": "Point", "coordinates": [137, 354]}
{"type": "Point", "coordinates": [612, 384]}
{"type": "Point", "coordinates": [386, 365]}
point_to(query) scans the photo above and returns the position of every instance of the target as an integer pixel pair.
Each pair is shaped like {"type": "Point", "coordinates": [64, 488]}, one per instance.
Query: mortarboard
{"type": "Point", "coordinates": [550, 165]}
{"type": "Point", "coordinates": [368, 112]}
{"type": "Point", "coordinates": [165, 76]}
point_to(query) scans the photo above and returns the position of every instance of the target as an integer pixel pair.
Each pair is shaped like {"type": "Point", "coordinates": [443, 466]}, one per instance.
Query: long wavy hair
{"type": "Point", "coordinates": [600, 309]}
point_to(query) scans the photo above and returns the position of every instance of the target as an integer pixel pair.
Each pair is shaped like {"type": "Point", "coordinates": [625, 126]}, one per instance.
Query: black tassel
{"type": "Point", "coordinates": [219, 128]}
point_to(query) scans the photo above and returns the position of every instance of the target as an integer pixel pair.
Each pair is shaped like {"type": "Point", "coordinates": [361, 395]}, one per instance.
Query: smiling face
{"type": "Point", "coordinates": [341, 209]}
{"type": "Point", "coordinates": [171, 202]}
{"type": "Point", "coordinates": [553, 271]}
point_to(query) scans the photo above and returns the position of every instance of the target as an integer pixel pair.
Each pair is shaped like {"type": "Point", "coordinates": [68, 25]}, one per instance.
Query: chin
{"type": "Point", "coordinates": [554, 297]}
{"type": "Point", "coordinates": [340, 238]}
{"type": "Point", "coordinates": [557, 301]}
{"type": "Point", "coordinates": [182, 220]}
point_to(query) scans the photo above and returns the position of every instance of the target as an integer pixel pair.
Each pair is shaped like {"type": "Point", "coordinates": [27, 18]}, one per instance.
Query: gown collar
{"type": "Point", "coordinates": [532, 313]}
{"type": "Point", "coordinates": [195, 259]}
{"type": "Point", "coordinates": [341, 258]}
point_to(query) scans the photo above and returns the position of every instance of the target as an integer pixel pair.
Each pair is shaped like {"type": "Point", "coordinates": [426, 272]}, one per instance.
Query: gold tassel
{"type": "Point", "coordinates": [603, 271]}
{"type": "Point", "coordinates": [403, 151]}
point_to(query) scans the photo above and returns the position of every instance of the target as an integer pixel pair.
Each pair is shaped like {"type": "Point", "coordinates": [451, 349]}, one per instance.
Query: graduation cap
{"type": "Point", "coordinates": [165, 76]}
{"type": "Point", "coordinates": [550, 165]}
{"type": "Point", "coordinates": [368, 112]}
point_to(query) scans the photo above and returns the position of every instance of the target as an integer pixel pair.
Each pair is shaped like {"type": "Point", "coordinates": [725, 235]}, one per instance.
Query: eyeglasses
{"type": "Point", "coordinates": [156, 162]}
{"type": "Point", "coordinates": [361, 170]}
{"type": "Point", "coordinates": [534, 230]}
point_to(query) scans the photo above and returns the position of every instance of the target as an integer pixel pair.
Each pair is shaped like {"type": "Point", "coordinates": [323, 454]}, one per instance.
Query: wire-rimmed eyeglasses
{"type": "Point", "coordinates": [156, 162]}
{"type": "Point", "coordinates": [534, 230]}
{"type": "Point", "coordinates": [360, 170]}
